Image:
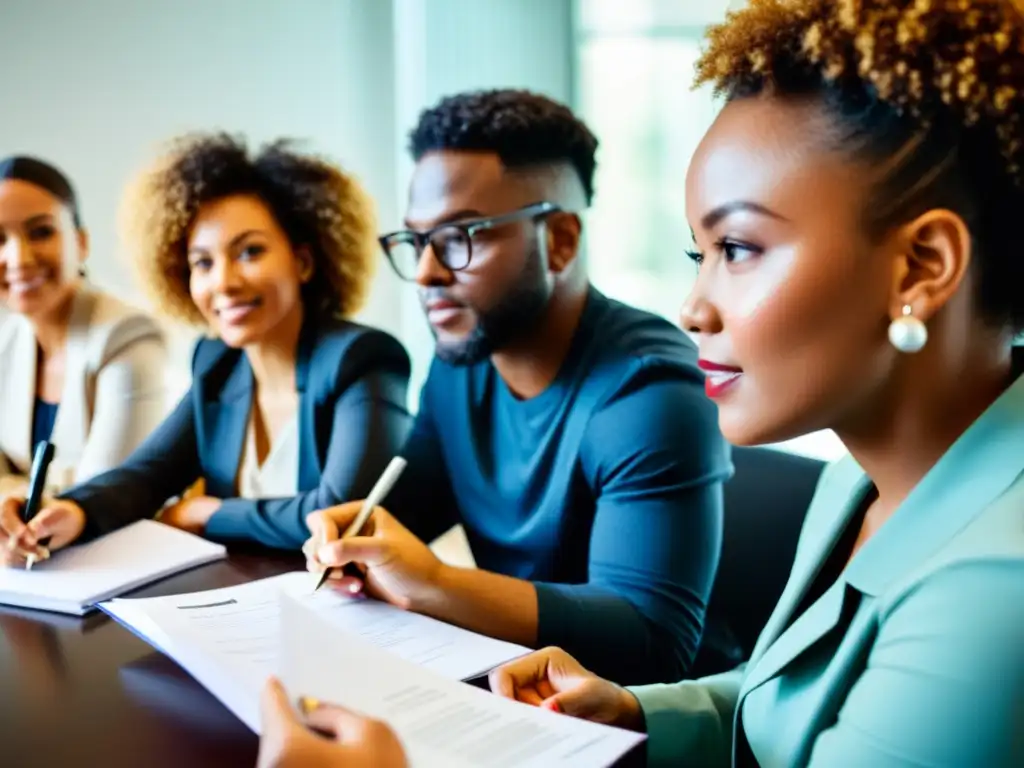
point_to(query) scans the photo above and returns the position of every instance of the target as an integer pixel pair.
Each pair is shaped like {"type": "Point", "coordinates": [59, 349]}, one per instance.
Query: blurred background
{"type": "Point", "coordinates": [96, 86]}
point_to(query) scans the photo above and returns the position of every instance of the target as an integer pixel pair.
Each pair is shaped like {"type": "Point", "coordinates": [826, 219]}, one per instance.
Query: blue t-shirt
{"type": "Point", "coordinates": [605, 490]}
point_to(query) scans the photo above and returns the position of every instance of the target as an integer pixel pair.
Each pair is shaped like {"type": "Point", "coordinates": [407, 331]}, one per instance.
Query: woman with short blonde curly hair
{"type": "Point", "coordinates": [293, 407]}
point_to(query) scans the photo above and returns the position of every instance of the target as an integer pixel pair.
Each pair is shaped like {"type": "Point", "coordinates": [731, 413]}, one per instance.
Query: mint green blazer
{"type": "Point", "coordinates": [914, 657]}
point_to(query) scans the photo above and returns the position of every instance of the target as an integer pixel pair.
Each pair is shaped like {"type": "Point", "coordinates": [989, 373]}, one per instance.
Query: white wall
{"type": "Point", "coordinates": [95, 86]}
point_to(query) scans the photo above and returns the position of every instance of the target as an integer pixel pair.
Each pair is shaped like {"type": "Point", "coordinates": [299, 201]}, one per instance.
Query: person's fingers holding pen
{"type": "Point", "coordinates": [13, 557]}
{"type": "Point", "coordinates": [283, 737]}
{"type": "Point", "coordinates": [288, 742]}
{"type": "Point", "coordinates": [398, 566]}
{"type": "Point", "coordinates": [324, 527]}
{"type": "Point", "coordinates": [329, 550]}
{"type": "Point", "coordinates": [369, 739]}
{"type": "Point", "coordinates": [552, 679]}
{"type": "Point", "coordinates": [331, 522]}
{"type": "Point", "coordinates": [11, 523]}
{"type": "Point", "coordinates": [16, 541]}
{"type": "Point", "coordinates": [60, 521]}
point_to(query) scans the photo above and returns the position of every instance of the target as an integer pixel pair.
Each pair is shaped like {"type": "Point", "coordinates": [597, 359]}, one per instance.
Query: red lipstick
{"type": "Point", "coordinates": [720, 378]}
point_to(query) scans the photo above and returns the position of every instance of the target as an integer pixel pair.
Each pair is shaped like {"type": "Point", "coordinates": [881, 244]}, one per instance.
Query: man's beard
{"type": "Point", "coordinates": [517, 314]}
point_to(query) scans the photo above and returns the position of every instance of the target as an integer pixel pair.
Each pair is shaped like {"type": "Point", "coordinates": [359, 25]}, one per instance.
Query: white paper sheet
{"type": "Point", "coordinates": [229, 639]}
{"type": "Point", "coordinates": [77, 578]}
{"type": "Point", "coordinates": [441, 723]}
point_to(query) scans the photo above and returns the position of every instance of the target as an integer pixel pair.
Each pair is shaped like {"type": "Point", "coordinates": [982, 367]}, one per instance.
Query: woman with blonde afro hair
{"type": "Point", "coordinates": [856, 209]}
{"type": "Point", "coordinates": [293, 406]}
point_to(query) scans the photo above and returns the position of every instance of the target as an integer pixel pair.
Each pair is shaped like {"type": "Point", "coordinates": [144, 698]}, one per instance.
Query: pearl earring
{"type": "Point", "coordinates": [907, 333]}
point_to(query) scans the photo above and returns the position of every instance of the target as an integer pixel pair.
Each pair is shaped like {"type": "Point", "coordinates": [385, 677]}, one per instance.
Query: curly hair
{"type": "Point", "coordinates": [930, 91]}
{"type": "Point", "coordinates": [524, 129]}
{"type": "Point", "coordinates": [315, 203]}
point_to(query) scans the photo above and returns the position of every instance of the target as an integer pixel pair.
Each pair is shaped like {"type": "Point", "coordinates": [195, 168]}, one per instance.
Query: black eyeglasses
{"type": "Point", "coordinates": [452, 243]}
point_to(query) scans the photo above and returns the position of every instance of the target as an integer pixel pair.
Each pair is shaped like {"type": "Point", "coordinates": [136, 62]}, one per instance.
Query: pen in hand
{"type": "Point", "coordinates": [36, 483]}
{"type": "Point", "coordinates": [381, 489]}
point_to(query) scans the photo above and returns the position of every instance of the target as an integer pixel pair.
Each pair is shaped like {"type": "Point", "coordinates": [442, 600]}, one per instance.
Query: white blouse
{"type": "Point", "coordinates": [278, 476]}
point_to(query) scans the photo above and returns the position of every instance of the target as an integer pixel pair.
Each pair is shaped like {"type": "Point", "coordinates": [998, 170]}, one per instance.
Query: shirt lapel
{"type": "Point", "coordinates": [74, 412]}
{"type": "Point", "coordinates": [309, 470]}
{"type": "Point", "coordinates": [783, 638]}
{"type": "Point", "coordinates": [227, 419]}
{"type": "Point", "coordinates": [974, 472]}
{"type": "Point", "coordinates": [17, 420]}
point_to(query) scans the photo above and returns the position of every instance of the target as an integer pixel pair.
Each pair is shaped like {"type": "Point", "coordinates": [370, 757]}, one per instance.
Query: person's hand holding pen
{"type": "Point", "coordinates": [359, 546]}
{"type": "Point", "coordinates": [399, 568]}
{"type": "Point", "coordinates": [352, 741]}
{"type": "Point", "coordinates": [31, 527]}
{"type": "Point", "coordinates": [60, 521]}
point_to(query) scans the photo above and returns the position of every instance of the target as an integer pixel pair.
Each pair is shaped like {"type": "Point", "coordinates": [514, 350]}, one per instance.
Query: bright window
{"type": "Point", "coordinates": [633, 93]}
{"type": "Point", "coordinates": [634, 69]}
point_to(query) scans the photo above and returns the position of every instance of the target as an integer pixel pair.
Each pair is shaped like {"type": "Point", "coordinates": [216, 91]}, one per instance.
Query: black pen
{"type": "Point", "coordinates": [36, 483]}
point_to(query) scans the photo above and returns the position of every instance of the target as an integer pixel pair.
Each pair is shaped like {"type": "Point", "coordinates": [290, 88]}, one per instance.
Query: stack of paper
{"type": "Point", "coordinates": [397, 666]}
{"type": "Point", "coordinates": [229, 639]}
{"type": "Point", "coordinates": [78, 577]}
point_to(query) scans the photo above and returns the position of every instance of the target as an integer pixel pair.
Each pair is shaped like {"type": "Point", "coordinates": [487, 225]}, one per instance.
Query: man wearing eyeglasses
{"type": "Point", "coordinates": [568, 433]}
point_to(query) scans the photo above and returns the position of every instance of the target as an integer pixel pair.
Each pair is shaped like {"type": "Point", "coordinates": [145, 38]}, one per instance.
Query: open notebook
{"type": "Point", "coordinates": [78, 577]}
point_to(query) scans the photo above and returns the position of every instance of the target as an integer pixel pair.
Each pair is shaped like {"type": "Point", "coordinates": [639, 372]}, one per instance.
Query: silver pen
{"type": "Point", "coordinates": [380, 489]}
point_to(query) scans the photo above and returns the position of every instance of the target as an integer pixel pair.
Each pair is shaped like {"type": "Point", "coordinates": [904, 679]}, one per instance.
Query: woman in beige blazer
{"type": "Point", "coordinates": [79, 367]}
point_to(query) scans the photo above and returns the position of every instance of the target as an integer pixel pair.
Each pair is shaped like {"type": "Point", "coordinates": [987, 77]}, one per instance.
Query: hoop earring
{"type": "Point", "coordinates": [907, 333]}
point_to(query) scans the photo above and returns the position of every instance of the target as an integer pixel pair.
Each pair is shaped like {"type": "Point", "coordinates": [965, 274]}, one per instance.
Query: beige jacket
{"type": "Point", "coordinates": [113, 396]}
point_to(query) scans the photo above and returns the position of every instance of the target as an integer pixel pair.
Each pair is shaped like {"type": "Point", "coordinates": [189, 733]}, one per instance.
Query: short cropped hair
{"type": "Point", "coordinates": [315, 203]}
{"type": "Point", "coordinates": [524, 129]}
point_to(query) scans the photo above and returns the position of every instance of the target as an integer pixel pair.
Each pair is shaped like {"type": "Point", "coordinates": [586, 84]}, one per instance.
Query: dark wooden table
{"type": "Point", "coordinates": [85, 692]}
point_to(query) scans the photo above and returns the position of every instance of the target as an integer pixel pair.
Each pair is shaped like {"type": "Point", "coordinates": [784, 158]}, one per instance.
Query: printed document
{"type": "Point", "coordinates": [441, 723]}
{"type": "Point", "coordinates": [229, 639]}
